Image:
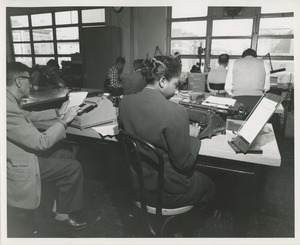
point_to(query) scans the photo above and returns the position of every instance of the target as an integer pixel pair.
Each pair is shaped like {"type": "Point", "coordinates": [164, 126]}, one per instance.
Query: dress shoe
{"type": "Point", "coordinates": [70, 224]}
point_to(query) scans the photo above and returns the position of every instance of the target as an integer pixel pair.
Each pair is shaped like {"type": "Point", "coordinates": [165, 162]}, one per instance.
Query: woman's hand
{"type": "Point", "coordinates": [194, 130]}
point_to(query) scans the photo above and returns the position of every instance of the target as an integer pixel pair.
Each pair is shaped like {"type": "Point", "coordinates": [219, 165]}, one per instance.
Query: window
{"type": "Point", "coordinates": [193, 27]}
{"type": "Point", "coordinates": [276, 37]}
{"type": "Point", "coordinates": [51, 35]}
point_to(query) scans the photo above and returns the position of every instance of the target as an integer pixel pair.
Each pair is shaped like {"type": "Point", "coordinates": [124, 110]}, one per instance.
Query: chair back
{"type": "Point", "coordinates": [131, 145]}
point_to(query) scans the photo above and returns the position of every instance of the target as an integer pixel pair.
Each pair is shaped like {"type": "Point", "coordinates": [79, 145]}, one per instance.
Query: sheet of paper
{"type": "Point", "coordinates": [76, 98]}
{"type": "Point", "coordinates": [257, 119]}
{"type": "Point", "coordinates": [104, 130]}
{"type": "Point", "coordinates": [219, 102]}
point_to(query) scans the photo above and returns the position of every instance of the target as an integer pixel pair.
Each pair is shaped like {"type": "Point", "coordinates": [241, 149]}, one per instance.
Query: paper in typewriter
{"type": "Point", "coordinates": [257, 119]}
{"type": "Point", "coordinates": [76, 98]}
{"type": "Point", "coordinates": [219, 102]}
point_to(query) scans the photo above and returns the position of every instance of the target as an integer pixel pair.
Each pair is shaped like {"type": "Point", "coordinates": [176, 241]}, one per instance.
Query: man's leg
{"type": "Point", "coordinates": [62, 169]}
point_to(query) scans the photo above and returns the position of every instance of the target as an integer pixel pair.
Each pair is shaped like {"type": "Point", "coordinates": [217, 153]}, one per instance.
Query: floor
{"type": "Point", "coordinates": [105, 202]}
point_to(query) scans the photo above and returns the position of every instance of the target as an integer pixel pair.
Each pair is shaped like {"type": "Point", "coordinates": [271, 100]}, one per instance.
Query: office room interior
{"type": "Point", "coordinates": [255, 196]}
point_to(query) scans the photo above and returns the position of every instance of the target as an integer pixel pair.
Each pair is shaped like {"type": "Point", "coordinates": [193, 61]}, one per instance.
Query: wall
{"type": "Point", "coordinates": [142, 29]}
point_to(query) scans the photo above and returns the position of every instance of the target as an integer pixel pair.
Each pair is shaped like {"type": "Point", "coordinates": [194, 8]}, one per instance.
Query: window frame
{"type": "Point", "coordinates": [254, 37]}
{"type": "Point", "coordinates": [53, 26]}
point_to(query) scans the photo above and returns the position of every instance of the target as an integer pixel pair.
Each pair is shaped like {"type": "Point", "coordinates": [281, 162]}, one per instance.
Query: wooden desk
{"type": "Point", "coordinates": [218, 147]}
{"type": "Point", "coordinates": [216, 155]}
{"type": "Point", "coordinates": [51, 98]}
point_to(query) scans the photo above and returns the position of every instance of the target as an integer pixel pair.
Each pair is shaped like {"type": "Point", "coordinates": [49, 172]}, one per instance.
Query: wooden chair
{"type": "Point", "coordinates": [131, 145]}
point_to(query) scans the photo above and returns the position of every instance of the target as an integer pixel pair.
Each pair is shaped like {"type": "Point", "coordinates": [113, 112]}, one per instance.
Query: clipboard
{"type": "Point", "coordinates": [255, 121]}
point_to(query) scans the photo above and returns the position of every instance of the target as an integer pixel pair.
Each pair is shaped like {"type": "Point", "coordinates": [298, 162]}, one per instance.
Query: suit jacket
{"type": "Point", "coordinates": [165, 124]}
{"type": "Point", "coordinates": [24, 141]}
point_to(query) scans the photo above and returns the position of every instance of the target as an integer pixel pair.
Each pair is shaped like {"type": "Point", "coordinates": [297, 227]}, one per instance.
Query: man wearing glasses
{"type": "Point", "coordinates": [29, 159]}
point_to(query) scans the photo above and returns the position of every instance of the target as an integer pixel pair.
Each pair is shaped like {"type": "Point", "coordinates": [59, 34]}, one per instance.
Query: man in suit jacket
{"type": "Point", "coordinates": [29, 162]}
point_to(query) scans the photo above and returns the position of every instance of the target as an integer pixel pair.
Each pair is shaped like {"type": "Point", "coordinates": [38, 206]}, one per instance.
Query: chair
{"type": "Point", "coordinates": [218, 88]}
{"type": "Point", "coordinates": [131, 146]}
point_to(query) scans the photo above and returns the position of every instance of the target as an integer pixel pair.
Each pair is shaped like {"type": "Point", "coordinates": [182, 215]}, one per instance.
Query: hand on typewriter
{"type": "Point", "coordinates": [71, 114]}
{"type": "Point", "coordinates": [194, 130]}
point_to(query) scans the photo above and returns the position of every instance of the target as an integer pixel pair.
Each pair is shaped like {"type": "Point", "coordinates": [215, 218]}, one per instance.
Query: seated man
{"type": "Point", "coordinates": [113, 83]}
{"type": "Point", "coordinates": [247, 79]}
{"type": "Point", "coordinates": [136, 82]}
{"type": "Point", "coordinates": [46, 76]}
{"type": "Point", "coordinates": [216, 78]}
{"type": "Point", "coordinates": [29, 160]}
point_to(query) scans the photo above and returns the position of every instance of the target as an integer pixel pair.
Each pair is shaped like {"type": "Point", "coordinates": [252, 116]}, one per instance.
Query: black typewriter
{"type": "Point", "coordinates": [212, 119]}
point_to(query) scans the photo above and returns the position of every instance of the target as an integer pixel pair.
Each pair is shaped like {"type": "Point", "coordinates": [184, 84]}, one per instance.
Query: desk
{"type": "Point", "coordinates": [216, 155]}
{"type": "Point", "coordinates": [50, 98]}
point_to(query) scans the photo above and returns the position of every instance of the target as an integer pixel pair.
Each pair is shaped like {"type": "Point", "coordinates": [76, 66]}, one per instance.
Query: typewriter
{"type": "Point", "coordinates": [95, 111]}
{"type": "Point", "coordinates": [212, 119]}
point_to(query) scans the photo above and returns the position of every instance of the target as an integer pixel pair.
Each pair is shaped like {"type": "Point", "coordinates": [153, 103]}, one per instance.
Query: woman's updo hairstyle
{"type": "Point", "coordinates": [162, 66]}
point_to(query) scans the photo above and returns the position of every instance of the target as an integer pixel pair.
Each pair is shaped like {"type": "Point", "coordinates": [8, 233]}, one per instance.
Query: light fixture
{"type": "Point", "coordinates": [268, 56]}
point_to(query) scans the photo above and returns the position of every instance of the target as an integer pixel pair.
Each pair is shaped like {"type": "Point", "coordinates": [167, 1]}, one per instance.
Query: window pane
{"type": "Point", "coordinates": [276, 26]}
{"type": "Point", "coordinates": [22, 48]}
{"type": "Point", "coordinates": [41, 19]}
{"type": "Point", "coordinates": [67, 17]}
{"type": "Point", "coordinates": [93, 15]}
{"type": "Point", "coordinates": [277, 8]}
{"type": "Point", "coordinates": [43, 48]}
{"type": "Point", "coordinates": [181, 10]}
{"type": "Point", "coordinates": [187, 64]}
{"type": "Point", "coordinates": [275, 46]}
{"type": "Point", "coordinates": [42, 34]}
{"type": "Point", "coordinates": [67, 33]}
{"type": "Point", "coordinates": [237, 27]}
{"type": "Point", "coordinates": [230, 46]}
{"type": "Point", "coordinates": [25, 60]}
{"type": "Point", "coordinates": [68, 47]}
{"type": "Point", "coordinates": [60, 59]}
{"type": "Point", "coordinates": [42, 60]}
{"type": "Point", "coordinates": [189, 29]}
{"type": "Point", "coordinates": [287, 64]}
{"type": "Point", "coordinates": [19, 21]}
{"type": "Point", "coordinates": [21, 35]}
{"type": "Point", "coordinates": [186, 46]}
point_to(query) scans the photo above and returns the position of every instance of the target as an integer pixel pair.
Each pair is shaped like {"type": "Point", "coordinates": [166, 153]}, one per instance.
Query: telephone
{"type": "Point", "coordinates": [95, 111]}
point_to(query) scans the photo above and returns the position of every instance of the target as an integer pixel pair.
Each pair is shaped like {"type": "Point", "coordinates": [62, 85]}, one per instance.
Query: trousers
{"type": "Point", "coordinates": [62, 169]}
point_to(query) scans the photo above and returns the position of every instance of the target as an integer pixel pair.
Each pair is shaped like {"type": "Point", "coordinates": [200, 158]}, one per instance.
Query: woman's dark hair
{"type": "Point", "coordinates": [52, 63]}
{"type": "Point", "coordinates": [162, 66]}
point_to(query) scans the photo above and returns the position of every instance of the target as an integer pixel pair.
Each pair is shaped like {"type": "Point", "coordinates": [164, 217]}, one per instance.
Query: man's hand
{"type": "Point", "coordinates": [70, 114]}
{"type": "Point", "coordinates": [63, 109]}
{"type": "Point", "coordinates": [194, 130]}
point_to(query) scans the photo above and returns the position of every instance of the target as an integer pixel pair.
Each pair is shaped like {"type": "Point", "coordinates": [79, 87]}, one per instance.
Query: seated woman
{"type": "Point", "coordinates": [216, 78]}
{"type": "Point", "coordinates": [165, 124]}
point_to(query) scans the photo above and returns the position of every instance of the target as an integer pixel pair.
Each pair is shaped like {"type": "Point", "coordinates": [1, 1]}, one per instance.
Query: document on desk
{"type": "Point", "coordinates": [107, 130]}
{"type": "Point", "coordinates": [76, 98]}
{"type": "Point", "coordinates": [219, 102]}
